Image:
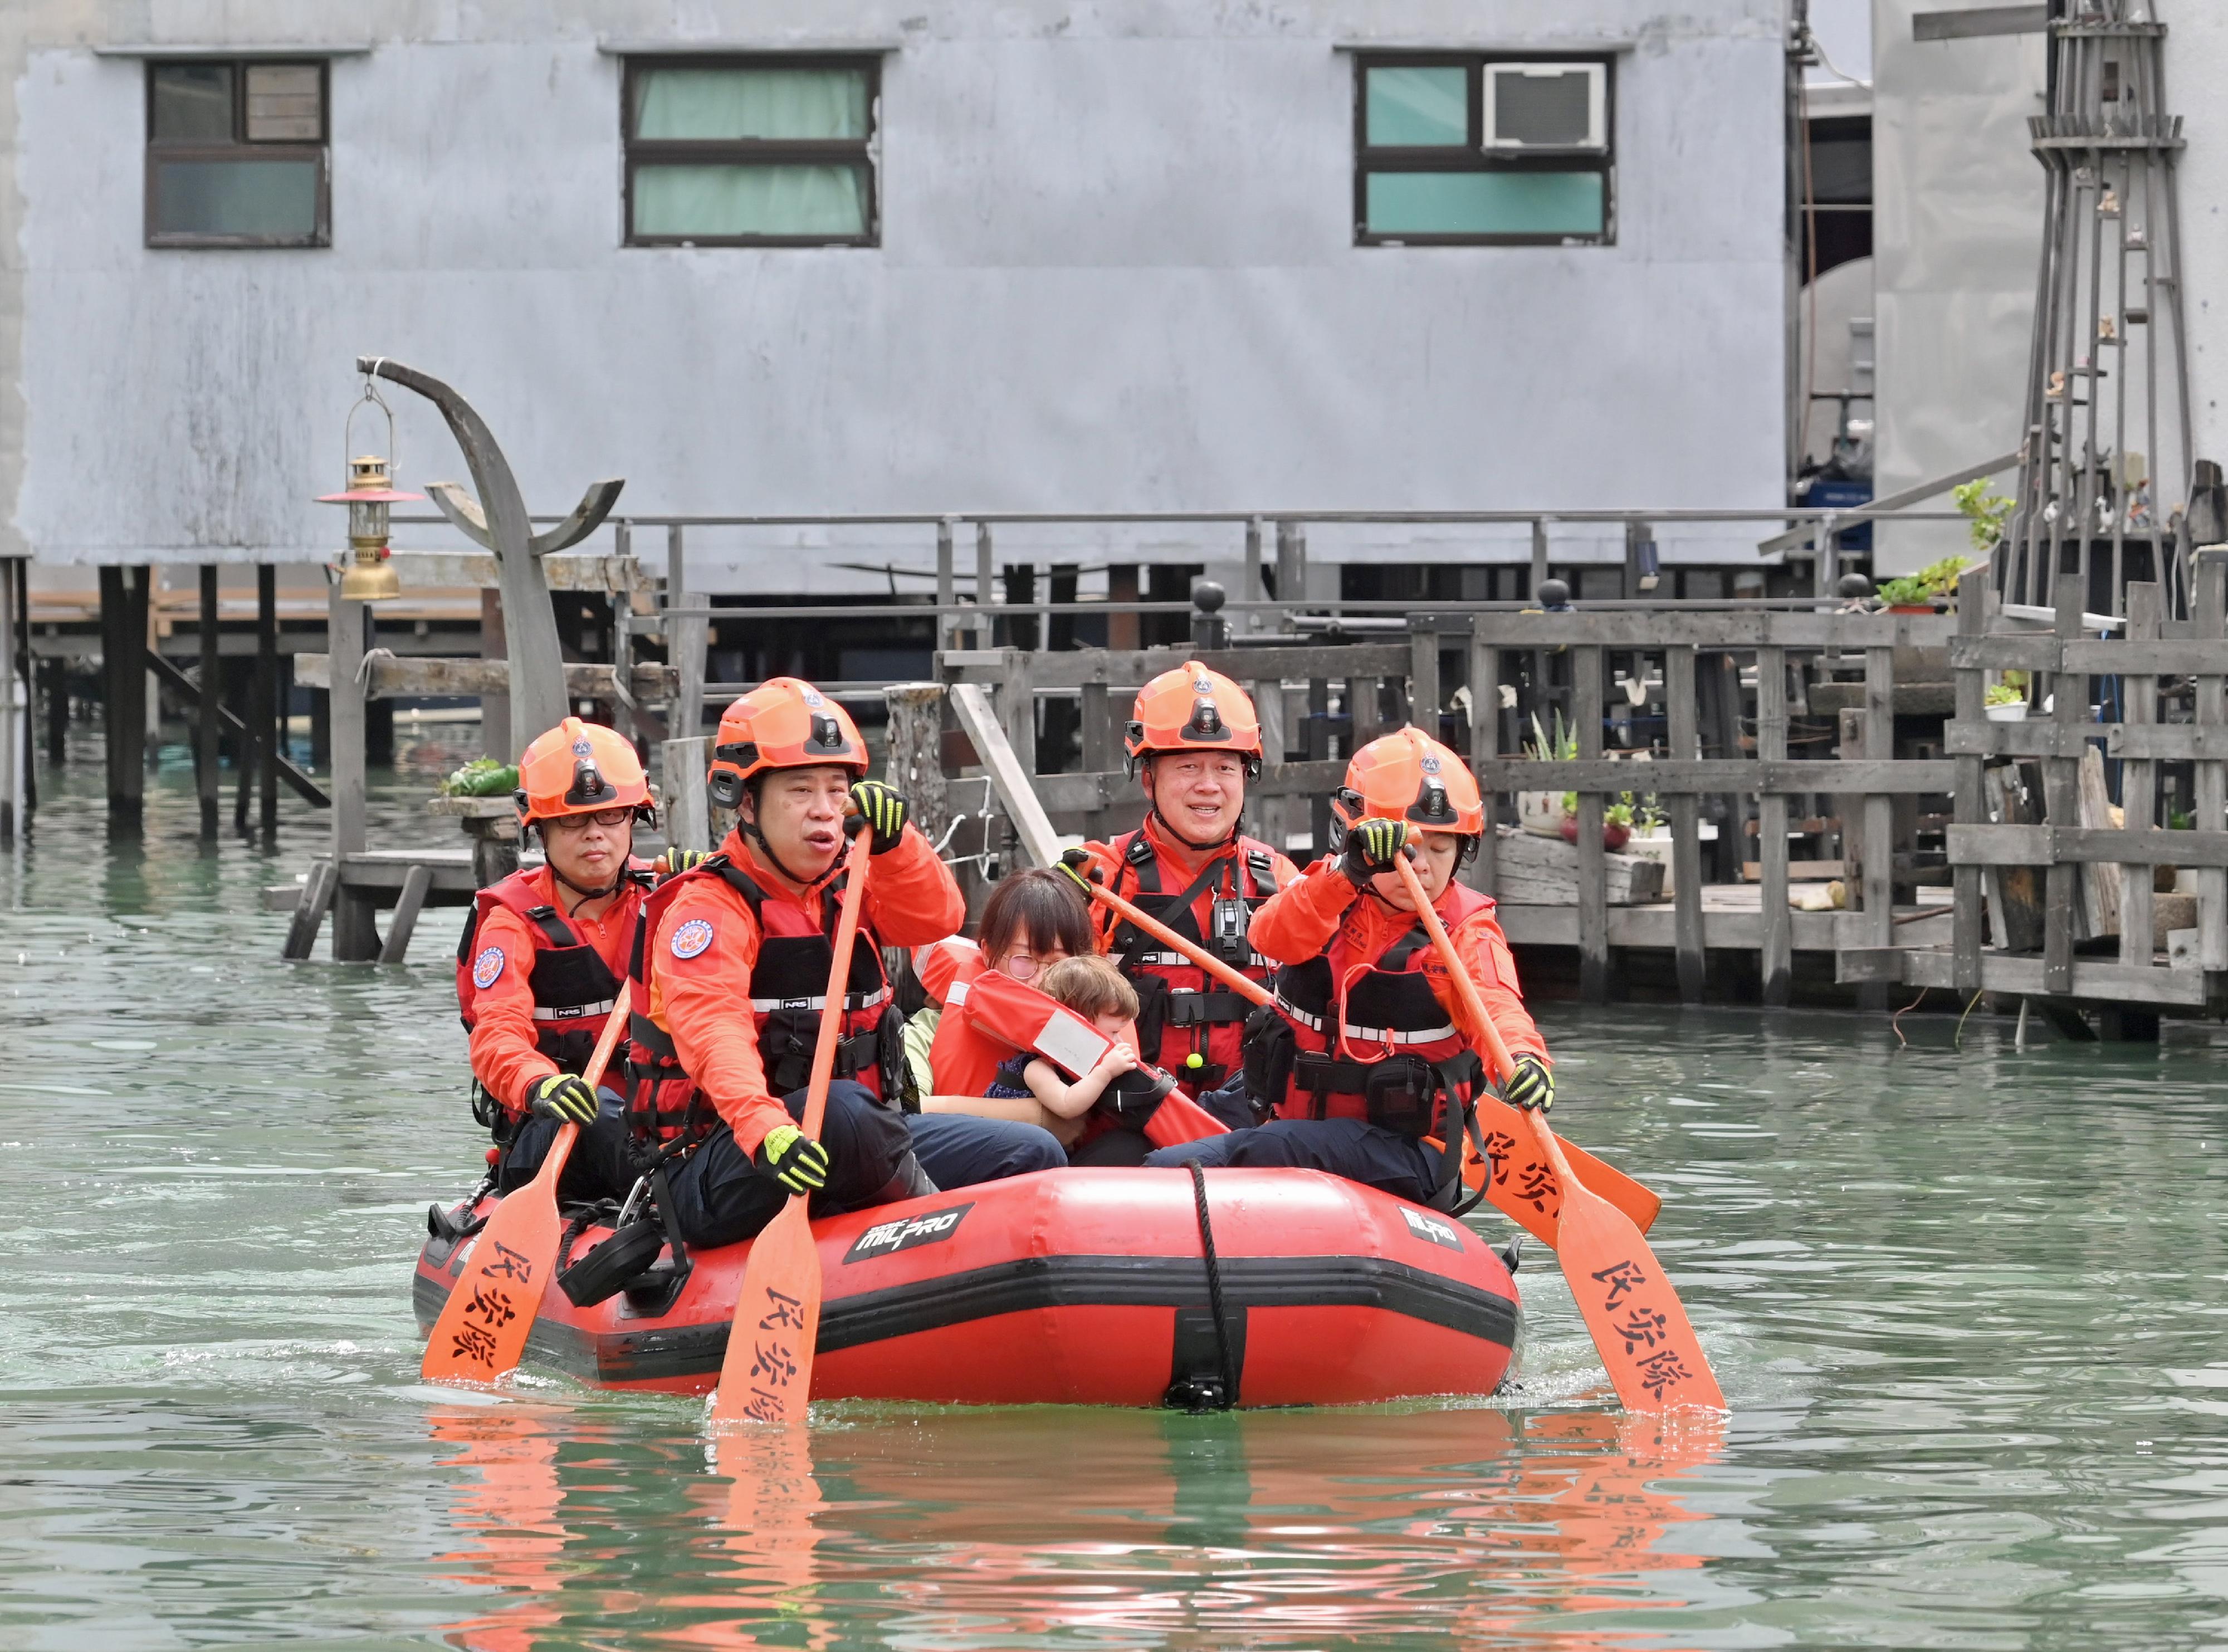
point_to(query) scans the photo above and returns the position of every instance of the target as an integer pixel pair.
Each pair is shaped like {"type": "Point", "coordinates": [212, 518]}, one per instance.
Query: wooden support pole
{"type": "Point", "coordinates": [1272, 816]}
{"type": "Point", "coordinates": [684, 764]}
{"type": "Point", "coordinates": [1776, 955]}
{"type": "Point", "coordinates": [2061, 791]}
{"type": "Point", "coordinates": [1424, 681]}
{"type": "Point", "coordinates": [2209, 623]}
{"type": "Point", "coordinates": [1484, 726]}
{"type": "Point", "coordinates": [947, 623]}
{"type": "Point", "coordinates": [309, 912]}
{"type": "Point", "coordinates": [14, 713]}
{"type": "Point", "coordinates": [1593, 859]}
{"type": "Point", "coordinates": [1318, 749]}
{"type": "Point", "coordinates": [686, 640]}
{"type": "Point", "coordinates": [355, 938]}
{"type": "Point", "coordinates": [403, 921]}
{"type": "Point", "coordinates": [27, 776]}
{"type": "Point", "coordinates": [56, 672]}
{"type": "Point", "coordinates": [208, 766]}
{"type": "Point", "coordinates": [986, 576]}
{"type": "Point", "coordinates": [1970, 802]}
{"type": "Point", "coordinates": [270, 706]}
{"type": "Point", "coordinates": [1681, 713]}
{"type": "Point", "coordinates": [1878, 925]}
{"type": "Point", "coordinates": [124, 649]}
{"type": "Point", "coordinates": [495, 708]}
{"type": "Point", "coordinates": [916, 752]}
{"type": "Point", "coordinates": [2139, 777]}
{"type": "Point", "coordinates": [1017, 704]}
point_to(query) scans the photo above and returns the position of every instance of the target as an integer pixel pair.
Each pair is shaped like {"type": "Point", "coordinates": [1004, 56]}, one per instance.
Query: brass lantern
{"type": "Point", "coordinates": [367, 576]}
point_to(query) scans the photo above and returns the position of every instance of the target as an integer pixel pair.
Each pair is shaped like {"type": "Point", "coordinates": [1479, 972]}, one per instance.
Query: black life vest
{"type": "Point", "coordinates": [1188, 1023]}
{"type": "Point", "coordinates": [573, 988]}
{"type": "Point", "coordinates": [1367, 1038]}
{"type": "Point", "coordinates": [789, 984]}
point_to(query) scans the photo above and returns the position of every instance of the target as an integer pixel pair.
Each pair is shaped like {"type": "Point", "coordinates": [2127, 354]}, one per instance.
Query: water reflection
{"type": "Point", "coordinates": [1056, 1528]}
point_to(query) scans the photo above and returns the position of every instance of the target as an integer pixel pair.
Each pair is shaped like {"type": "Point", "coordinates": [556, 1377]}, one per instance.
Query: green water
{"type": "Point", "coordinates": [1968, 1307]}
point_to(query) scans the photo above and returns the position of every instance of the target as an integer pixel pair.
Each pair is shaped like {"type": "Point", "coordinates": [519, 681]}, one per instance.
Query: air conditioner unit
{"type": "Point", "coordinates": [1546, 106]}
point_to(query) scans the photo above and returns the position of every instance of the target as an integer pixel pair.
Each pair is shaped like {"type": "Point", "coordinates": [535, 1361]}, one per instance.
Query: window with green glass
{"type": "Point", "coordinates": [751, 151]}
{"type": "Point", "coordinates": [236, 154]}
{"type": "Point", "coordinates": [1471, 148]}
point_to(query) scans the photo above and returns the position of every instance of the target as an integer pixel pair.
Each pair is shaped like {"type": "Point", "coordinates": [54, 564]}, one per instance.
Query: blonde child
{"type": "Point", "coordinates": [1095, 989]}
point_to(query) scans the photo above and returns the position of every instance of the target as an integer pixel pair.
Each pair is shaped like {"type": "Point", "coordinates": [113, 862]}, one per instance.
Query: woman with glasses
{"type": "Point", "coordinates": [543, 954]}
{"type": "Point", "coordinates": [1033, 920]}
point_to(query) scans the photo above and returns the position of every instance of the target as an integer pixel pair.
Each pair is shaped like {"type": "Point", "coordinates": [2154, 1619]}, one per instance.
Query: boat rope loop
{"type": "Point", "coordinates": [1205, 1393]}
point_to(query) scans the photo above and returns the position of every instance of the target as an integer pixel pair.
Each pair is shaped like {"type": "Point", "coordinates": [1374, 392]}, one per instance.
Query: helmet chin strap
{"type": "Point", "coordinates": [750, 830]}
{"type": "Point", "coordinates": [587, 893]}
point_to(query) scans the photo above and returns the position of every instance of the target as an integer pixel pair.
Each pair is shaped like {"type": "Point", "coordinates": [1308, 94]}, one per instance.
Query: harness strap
{"type": "Point", "coordinates": [1206, 1009]}
{"type": "Point", "coordinates": [574, 1012]}
{"type": "Point", "coordinates": [852, 1001]}
{"type": "Point", "coordinates": [1392, 1035]}
{"type": "Point", "coordinates": [558, 932]}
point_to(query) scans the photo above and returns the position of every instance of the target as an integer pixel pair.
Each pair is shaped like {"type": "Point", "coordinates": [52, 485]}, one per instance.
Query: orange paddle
{"type": "Point", "coordinates": [1636, 1318]}
{"type": "Point", "coordinates": [1519, 1178]}
{"type": "Point", "coordinates": [767, 1375]}
{"type": "Point", "coordinates": [484, 1326]}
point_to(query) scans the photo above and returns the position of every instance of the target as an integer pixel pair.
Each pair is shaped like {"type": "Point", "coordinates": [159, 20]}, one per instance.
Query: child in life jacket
{"type": "Point", "coordinates": [1094, 988]}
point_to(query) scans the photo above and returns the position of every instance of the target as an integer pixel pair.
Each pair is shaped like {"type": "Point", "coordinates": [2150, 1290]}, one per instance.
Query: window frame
{"type": "Point", "coordinates": [851, 152]}
{"type": "Point", "coordinates": [238, 149]}
{"type": "Point", "coordinates": [1473, 154]}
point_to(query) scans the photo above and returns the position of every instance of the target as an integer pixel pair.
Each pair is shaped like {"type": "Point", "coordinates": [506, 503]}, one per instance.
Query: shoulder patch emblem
{"type": "Point", "coordinates": [692, 938]}
{"type": "Point", "coordinates": [487, 967]}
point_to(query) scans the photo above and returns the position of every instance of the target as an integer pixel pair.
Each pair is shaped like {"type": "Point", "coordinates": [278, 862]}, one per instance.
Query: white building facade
{"type": "Point", "coordinates": [837, 256]}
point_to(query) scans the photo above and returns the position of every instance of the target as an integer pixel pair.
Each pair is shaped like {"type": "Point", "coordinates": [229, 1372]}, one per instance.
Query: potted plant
{"type": "Point", "coordinates": [1541, 812]}
{"type": "Point", "coordinates": [1923, 592]}
{"type": "Point", "coordinates": [2006, 700]}
{"type": "Point", "coordinates": [1617, 821]}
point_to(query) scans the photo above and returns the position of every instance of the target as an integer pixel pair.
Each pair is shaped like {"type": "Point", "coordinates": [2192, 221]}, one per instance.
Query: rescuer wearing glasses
{"type": "Point", "coordinates": [543, 954]}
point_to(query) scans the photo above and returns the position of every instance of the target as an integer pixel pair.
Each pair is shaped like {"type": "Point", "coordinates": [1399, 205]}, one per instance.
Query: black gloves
{"type": "Point", "coordinates": [883, 810]}
{"type": "Point", "coordinates": [677, 862]}
{"type": "Point", "coordinates": [563, 1096]}
{"type": "Point", "coordinates": [1077, 864]}
{"type": "Point", "coordinates": [1530, 1084]}
{"type": "Point", "coordinates": [1372, 846]}
{"type": "Point", "coordinates": [792, 1158]}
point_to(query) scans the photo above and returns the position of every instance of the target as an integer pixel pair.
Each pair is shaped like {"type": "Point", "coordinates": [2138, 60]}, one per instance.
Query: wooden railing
{"type": "Point", "coordinates": [1864, 731]}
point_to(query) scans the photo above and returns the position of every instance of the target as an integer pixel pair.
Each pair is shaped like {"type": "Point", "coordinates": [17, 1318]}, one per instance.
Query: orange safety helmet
{"type": "Point", "coordinates": [1408, 776]}
{"type": "Point", "coordinates": [1193, 709]}
{"type": "Point", "coordinates": [578, 768]}
{"type": "Point", "coordinates": [781, 724]}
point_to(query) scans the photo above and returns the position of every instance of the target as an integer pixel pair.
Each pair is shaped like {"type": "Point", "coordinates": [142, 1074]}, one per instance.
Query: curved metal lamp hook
{"type": "Point", "coordinates": [348, 426]}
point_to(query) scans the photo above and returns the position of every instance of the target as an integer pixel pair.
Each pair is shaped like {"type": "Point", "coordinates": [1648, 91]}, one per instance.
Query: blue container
{"type": "Point", "coordinates": [1835, 493]}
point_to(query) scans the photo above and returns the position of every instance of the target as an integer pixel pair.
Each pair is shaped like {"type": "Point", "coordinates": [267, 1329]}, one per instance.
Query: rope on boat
{"type": "Point", "coordinates": [1228, 1397]}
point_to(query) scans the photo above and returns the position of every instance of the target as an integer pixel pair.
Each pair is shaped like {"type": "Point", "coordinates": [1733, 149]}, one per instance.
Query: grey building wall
{"type": "Point", "coordinates": [1956, 235]}
{"type": "Point", "coordinates": [1116, 272]}
{"type": "Point", "coordinates": [2196, 62]}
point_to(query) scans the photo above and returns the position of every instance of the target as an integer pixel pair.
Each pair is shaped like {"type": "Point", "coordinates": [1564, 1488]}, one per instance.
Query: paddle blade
{"type": "Point", "coordinates": [1637, 1320]}
{"type": "Point", "coordinates": [767, 1376]}
{"type": "Point", "coordinates": [484, 1326]}
{"type": "Point", "coordinates": [1522, 1184]}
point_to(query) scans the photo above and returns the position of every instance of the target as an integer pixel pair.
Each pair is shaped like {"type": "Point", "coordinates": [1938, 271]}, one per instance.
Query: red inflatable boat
{"type": "Point", "coordinates": [1082, 1287]}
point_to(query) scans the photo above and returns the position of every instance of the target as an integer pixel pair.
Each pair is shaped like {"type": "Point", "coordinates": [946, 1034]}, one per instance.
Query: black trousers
{"type": "Point", "coordinates": [718, 1196]}
{"type": "Point", "coordinates": [1345, 1147]}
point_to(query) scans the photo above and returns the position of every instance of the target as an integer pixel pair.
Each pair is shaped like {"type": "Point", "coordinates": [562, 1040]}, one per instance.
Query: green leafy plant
{"type": "Point", "coordinates": [2002, 693]}
{"type": "Point", "coordinates": [1985, 512]}
{"type": "Point", "coordinates": [1935, 579]}
{"type": "Point", "coordinates": [481, 777]}
{"type": "Point", "coordinates": [1564, 748]}
{"type": "Point", "coordinates": [1619, 814]}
